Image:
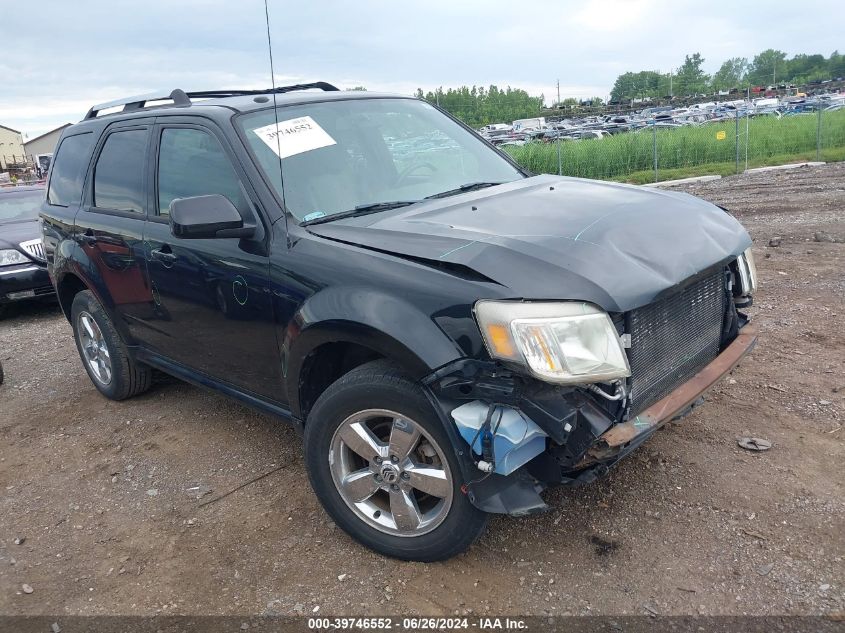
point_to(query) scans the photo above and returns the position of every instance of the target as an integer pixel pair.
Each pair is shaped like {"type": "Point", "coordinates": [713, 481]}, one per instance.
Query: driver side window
{"type": "Point", "coordinates": [192, 162]}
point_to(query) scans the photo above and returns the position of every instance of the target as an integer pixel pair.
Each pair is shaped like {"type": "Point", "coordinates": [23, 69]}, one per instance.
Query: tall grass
{"type": "Point", "coordinates": [679, 149]}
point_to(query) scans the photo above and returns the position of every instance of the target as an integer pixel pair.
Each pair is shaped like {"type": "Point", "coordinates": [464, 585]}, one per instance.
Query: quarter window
{"type": "Point", "coordinates": [119, 173]}
{"type": "Point", "coordinates": [68, 171]}
{"type": "Point", "coordinates": [191, 163]}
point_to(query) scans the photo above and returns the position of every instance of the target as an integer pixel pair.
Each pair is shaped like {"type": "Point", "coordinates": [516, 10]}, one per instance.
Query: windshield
{"type": "Point", "coordinates": [20, 205]}
{"type": "Point", "coordinates": [340, 155]}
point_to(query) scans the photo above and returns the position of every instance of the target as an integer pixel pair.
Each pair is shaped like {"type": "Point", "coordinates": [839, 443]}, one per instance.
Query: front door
{"type": "Point", "coordinates": [213, 299]}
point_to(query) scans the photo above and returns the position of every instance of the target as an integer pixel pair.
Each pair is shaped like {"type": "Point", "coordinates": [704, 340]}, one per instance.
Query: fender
{"type": "Point", "coordinates": [389, 325]}
{"type": "Point", "coordinates": [71, 259]}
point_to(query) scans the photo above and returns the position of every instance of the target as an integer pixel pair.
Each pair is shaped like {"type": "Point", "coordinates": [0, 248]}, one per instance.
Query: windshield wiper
{"type": "Point", "coordinates": [361, 209]}
{"type": "Point", "coordinates": [470, 186]}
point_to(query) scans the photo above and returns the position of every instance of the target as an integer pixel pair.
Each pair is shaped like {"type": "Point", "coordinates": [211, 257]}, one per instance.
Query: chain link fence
{"type": "Point", "coordinates": [658, 152]}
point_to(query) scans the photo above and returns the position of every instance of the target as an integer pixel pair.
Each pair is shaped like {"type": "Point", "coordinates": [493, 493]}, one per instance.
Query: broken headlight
{"type": "Point", "coordinates": [565, 343]}
{"type": "Point", "coordinates": [747, 273]}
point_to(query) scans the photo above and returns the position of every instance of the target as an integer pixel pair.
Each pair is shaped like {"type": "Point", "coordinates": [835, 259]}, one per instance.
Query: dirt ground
{"type": "Point", "coordinates": [109, 501]}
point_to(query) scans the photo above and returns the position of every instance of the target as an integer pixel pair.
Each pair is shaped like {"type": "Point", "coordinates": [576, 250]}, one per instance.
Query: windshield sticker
{"type": "Point", "coordinates": [294, 136]}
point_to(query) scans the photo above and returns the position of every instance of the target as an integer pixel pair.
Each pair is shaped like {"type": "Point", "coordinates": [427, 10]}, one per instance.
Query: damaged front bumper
{"type": "Point", "coordinates": [585, 439]}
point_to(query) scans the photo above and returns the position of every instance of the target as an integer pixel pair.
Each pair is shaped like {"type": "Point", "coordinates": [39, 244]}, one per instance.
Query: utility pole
{"type": "Point", "coordinates": [671, 94]}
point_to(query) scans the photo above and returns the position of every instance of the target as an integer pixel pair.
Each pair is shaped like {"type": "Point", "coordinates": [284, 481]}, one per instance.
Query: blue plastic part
{"type": "Point", "coordinates": [516, 441]}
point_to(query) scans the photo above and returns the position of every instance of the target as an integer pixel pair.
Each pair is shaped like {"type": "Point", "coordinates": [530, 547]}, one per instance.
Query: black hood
{"type": "Point", "coordinates": [550, 237]}
{"type": "Point", "coordinates": [13, 233]}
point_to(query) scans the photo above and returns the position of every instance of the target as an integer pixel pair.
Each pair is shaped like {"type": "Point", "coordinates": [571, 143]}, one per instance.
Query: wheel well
{"type": "Point", "coordinates": [326, 364]}
{"type": "Point", "coordinates": [67, 289]}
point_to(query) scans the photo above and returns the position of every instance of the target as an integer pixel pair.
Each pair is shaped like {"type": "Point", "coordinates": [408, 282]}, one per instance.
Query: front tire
{"type": "Point", "coordinates": [113, 371]}
{"type": "Point", "coordinates": [383, 467]}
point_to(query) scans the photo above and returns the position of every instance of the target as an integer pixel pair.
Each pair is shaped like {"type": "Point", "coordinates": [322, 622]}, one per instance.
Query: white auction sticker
{"type": "Point", "coordinates": [294, 136]}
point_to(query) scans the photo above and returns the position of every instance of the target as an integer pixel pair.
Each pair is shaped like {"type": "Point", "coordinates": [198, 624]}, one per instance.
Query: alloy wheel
{"type": "Point", "coordinates": [391, 473]}
{"type": "Point", "coordinates": [95, 352]}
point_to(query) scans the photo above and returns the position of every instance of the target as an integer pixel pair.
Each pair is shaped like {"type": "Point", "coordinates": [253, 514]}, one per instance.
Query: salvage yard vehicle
{"type": "Point", "coordinates": [23, 270]}
{"type": "Point", "coordinates": [451, 333]}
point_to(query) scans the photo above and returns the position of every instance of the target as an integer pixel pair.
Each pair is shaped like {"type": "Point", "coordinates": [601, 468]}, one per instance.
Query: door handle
{"type": "Point", "coordinates": [165, 255]}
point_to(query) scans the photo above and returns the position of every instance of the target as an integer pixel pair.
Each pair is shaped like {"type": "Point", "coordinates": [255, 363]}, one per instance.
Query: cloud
{"type": "Point", "coordinates": [608, 16]}
{"type": "Point", "coordinates": [67, 56]}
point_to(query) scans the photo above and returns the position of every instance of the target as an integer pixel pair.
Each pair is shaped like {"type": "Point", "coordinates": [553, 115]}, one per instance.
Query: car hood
{"type": "Point", "coordinates": [13, 233]}
{"type": "Point", "coordinates": [551, 237]}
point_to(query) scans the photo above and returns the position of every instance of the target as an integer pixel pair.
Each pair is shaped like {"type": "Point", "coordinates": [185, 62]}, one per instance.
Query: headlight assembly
{"type": "Point", "coordinates": [747, 272]}
{"type": "Point", "coordinates": [10, 256]}
{"type": "Point", "coordinates": [565, 342]}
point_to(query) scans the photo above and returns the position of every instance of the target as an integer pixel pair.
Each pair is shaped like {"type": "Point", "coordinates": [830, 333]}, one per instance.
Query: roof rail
{"type": "Point", "coordinates": [211, 94]}
{"type": "Point", "coordinates": [182, 98]}
{"type": "Point", "coordinates": [136, 103]}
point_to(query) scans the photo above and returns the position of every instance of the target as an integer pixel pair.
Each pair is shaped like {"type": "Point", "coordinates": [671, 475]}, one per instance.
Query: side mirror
{"type": "Point", "coordinates": [204, 217]}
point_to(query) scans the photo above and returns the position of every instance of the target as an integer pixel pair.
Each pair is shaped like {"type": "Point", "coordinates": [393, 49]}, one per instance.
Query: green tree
{"type": "Point", "coordinates": [803, 68]}
{"type": "Point", "coordinates": [836, 65]}
{"type": "Point", "coordinates": [639, 85]}
{"type": "Point", "coordinates": [691, 78]}
{"type": "Point", "coordinates": [770, 66]}
{"type": "Point", "coordinates": [766, 68]}
{"type": "Point", "coordinates": [476, 105]}
{"type": "Point", "coordinates": [730, 74]}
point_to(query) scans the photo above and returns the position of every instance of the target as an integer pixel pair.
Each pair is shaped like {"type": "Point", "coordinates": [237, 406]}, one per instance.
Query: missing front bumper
{"type": "Point", "coordinates": [584, 440]}
{"type": "Point", "coordinates": [620, 436]}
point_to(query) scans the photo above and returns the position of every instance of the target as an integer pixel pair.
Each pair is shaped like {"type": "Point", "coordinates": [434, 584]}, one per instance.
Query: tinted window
{"type": "Point", "coordinates": [193, 163]}
{"type": "Point", "coordinates": [68, 171]}
{"type": "Point", "coordinates": [119, 173]}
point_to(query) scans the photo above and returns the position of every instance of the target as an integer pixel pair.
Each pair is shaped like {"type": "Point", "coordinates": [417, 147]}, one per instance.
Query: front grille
{"type": "Point", "coordinates": [673, 338]}
{"type": "Point", "coordinates": [35, 248]}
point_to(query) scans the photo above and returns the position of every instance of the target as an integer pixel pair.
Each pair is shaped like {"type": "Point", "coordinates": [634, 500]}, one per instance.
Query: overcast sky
{"type": "Point", "coordinates": [60, 57]}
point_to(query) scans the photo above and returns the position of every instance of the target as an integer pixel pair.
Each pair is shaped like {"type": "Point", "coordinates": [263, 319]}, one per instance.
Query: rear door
{"type": "Point", "coordinates": [110, 224]}
{"type": "Point", "coordinates": [213, 293]}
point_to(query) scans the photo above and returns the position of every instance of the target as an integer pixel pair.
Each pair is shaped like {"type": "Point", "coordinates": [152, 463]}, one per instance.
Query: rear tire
{"type": "Point", "coordinates": [104, 355]}
{"type": "Point", "coordinates": [406, 502]}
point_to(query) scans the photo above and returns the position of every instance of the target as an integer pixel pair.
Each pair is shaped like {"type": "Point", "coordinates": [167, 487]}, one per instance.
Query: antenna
{"type": "Point", "coordinates": [276, 118]}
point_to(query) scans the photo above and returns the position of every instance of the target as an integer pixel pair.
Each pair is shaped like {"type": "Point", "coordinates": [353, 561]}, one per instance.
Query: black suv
{"type": "Point", "coordinates": [451, 333]}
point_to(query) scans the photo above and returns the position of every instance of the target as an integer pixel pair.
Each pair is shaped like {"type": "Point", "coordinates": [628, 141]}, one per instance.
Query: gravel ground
{"type": "Point", "coordinates": [112, 508]}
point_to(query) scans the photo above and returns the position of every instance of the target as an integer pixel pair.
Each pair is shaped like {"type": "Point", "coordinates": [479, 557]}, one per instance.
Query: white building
{"type": "Point", "coordinates": [44, 144]}
{"type": "Point", "coordinates": [39, 150]}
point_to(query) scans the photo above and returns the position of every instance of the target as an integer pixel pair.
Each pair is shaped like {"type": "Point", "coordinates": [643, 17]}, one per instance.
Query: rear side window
{"type": "Point", "coordinates": [192, 163]}
{"type": "Point", "coordinates": [68, 172]}
{"type": "Point", "coordinates": [119, 172]}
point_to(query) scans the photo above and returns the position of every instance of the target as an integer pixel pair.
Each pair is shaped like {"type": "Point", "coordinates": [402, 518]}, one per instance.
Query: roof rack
{"type": "Point", "coordinates": [182, 98]}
